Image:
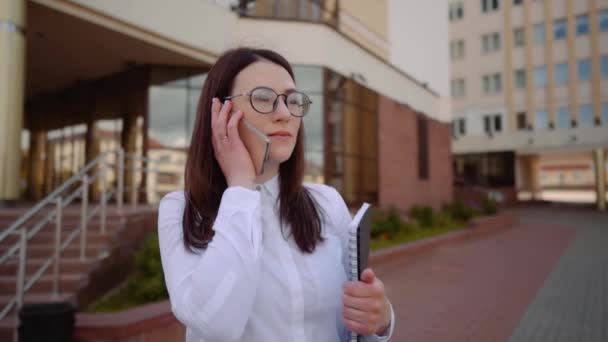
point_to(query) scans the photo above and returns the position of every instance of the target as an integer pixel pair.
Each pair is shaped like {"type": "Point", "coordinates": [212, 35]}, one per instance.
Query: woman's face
{"type": "Point", "coordinates": [279, 125]}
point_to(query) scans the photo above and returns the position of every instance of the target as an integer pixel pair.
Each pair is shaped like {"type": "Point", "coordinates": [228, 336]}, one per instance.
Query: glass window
{"type": "Point", "coordinates": [563, 118]}
{"type": "Point", "coordinates": [584, 69]}
{"type": "Point", "coordinates": [604, 66]}
{"type": "Point", "coordinates": [603, 18]}
{"type": "Point", "coordinates": [586, 116]}
{"type": "Point", "coordinates": [520, 78]}
{"type": "Point", "coordinates": [490, 42]}
{"type": "Point", "coordinates": [539, 33]}
{"type": "Point", "coordinates": [492, 83]}
{"type": "Point", "coordinates": [497, 123]}
{"type": "Point", "coordinates": [457, 49]}
{"type": "Point", "coordinates": [489, 5]}
{"type": "Point", "coordinates": [521, 121]}
{"type": "Point", "coordinates": [458, 88]}
{"type": "Point", "coordinates": [541, 120]}
{"type": "Point", "coordinates": [456, 11]}
{"type": "Point", "coordinates": [559, 29]}
{"type": "Point", "coordinates": [605, 114]}
{"type": "Point", "coordinates": [582, 25]}
{"type": "Point", "coordinates": [167, 110]}
{"type": "Point", "coordinates": [462, 126]}
{"type": "Point", "coordinates": [497, 80]}
{"type": "Point", "coordinates": [309, 79]}
{"type": "Point", "coordinates": [519, 37]}
{"type": "Point", "coordinates": [487, 124]}
{"type": "Point", "coordinates": [540, 76]}
{"type": "Point", "coordinates": [561, 73]}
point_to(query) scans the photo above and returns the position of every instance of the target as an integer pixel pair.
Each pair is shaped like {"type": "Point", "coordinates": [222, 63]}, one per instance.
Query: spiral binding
{"type": "Point", "coordinates": [354, 269]}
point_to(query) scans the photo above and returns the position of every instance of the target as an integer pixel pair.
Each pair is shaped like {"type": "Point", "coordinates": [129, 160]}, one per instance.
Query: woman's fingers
{"type": "Point", "coordinates": [232, 126]}
{"type": "Point", "coordinates": [222, 119]}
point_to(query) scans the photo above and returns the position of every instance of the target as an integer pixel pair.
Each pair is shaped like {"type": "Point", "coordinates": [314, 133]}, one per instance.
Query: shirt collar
{"type": "Point", "coordinates": [271, 186]}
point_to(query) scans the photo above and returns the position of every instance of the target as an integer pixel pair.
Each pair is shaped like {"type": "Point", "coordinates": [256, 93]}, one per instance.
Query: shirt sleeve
{"type": "Point", "coordinates": [342, 221]}
{"type": "Point", "coordinates": [212, 291]}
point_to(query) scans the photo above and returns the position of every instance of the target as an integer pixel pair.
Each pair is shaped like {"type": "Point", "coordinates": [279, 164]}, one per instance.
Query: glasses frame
{"type": "Point", "coordinates": [274, 104]}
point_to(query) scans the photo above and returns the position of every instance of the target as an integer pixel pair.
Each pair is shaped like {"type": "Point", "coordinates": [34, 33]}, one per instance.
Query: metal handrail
{"type": "Point", "coordinates": [60, 202]}
{"type": "Point", "coordinates": [50, 197]}
{"type": "Point", "coordinates": [61, 198]}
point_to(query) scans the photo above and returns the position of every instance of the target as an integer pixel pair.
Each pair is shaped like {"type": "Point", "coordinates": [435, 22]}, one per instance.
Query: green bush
{"type": "Point", "coordinates": [424, 215]}
{"type": "Point", "coordinates": [386, 224]}
{"type": "Point", "coordinates": [489, 206]}
{"type": "Point", "coordinates": [145, 285]}
{"type": "Point", "coordinates": [459, 211]}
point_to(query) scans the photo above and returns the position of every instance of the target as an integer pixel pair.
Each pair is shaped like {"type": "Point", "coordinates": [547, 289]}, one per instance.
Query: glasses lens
{"type": "Point", "coordinates": [298, 104]}
{"type": "Point", "coordinates": [263, 99]}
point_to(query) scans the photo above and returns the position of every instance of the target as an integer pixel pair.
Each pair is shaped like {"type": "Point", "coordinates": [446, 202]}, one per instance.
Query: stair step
{"type": "Point", "coordinates": [71, 251]}
{"type": "Point", "coordinates": [67, 283]}
{"type": "Point", "coordinates": [68, 265]}
{"type": "Point", "coordinates": [38, 297]}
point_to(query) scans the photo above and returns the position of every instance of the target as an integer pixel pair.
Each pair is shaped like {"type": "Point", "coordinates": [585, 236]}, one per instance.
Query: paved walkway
{"type": "Point", "coordinates": [544, 280]}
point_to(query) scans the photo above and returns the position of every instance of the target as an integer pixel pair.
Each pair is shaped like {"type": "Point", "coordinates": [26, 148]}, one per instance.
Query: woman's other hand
{"type": "Point", "coordinates": [366, 310]}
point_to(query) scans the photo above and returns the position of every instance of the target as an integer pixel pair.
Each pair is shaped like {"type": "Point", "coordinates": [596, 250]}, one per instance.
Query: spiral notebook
{"type": "Point", "coordinates": [360, 230]}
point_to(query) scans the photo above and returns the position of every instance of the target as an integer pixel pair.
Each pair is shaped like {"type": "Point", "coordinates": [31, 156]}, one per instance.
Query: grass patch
{"type": "Point", "coordinates": [403, 237]}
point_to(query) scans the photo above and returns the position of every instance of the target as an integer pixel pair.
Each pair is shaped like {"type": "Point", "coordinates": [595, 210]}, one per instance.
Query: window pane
{"type": "Point", "coordinates": [559, 28]}
{"type": "Point", "coordinates": [497, 83]}
{"type": "Point", "coordinates": [462, 126]}
{"type": "Point", "coordinates": [539, 33]}
{"type": "Point", "coordinates": [540, 76]}
{"type": "Point", "coordinates": [561, 73]}
{"type": "Point", "coordinates": [497, 123]}
{"type": "Point", "coordinates": [541, 121]}
{"type": "Point", "coordinates": [563, 118]}
{"type": "Point", "coordinates": [603, 17]}
{"type": "Point", "coordinates": [520, 78]}
{"type": "Point", "coordinates": [519, 37]}
{"type": "Point", "coordinates": [521, 121]}
{"type": "Point", "coordinates": [167, 113]}
{"type": "Point", "coordinates": [604, 66]}
{"type": "Point", "coordinates": [582, 25]}
{"type": "Point", "coordinates": [586, 116]}
{"type": "Point", "coordinates": [584, 69]}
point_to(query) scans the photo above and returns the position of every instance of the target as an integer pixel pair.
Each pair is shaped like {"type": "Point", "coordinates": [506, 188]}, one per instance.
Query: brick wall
{"type": "Point", "coordinates": [399, 185]}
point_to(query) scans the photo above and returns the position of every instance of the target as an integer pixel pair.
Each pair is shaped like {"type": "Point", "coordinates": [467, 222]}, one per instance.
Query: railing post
{"type": "Point", "coordinates": [133, 183]}
{"type": "Point", "coordinates": [83, 217]}
{"type": "Point", "coordinates": [102, 210]}
{"type": "Point", "coordinates": [121, 179]}
{"type": "Point", "coordinates": [22, 266]}
{"type": "Point", "coordinates": [57, 252]}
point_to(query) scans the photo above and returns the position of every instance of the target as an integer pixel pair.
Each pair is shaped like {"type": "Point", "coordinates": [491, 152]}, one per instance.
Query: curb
{"type": "Point", "coordinates": [477, 227]}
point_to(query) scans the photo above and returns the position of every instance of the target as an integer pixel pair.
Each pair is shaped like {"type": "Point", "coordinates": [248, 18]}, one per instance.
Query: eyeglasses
{"type": "Point", "coordinates": [264, 100]}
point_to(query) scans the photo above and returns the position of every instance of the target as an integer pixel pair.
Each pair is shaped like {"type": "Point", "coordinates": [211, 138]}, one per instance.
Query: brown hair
{"type": "Point", "coordinates": [205, 182]}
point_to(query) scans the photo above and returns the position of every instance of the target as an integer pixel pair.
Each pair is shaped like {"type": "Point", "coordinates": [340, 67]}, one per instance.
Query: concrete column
{"type": "Point", "coordinates": [37, 157]}
{"type": "Point", "coordinates": [600, 178]}
{"type": "Point", "coordinates": [12, 82]}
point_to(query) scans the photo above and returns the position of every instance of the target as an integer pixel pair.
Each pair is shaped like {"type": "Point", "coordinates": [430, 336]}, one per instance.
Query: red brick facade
{"type": "Point", "coordinates": [399, 184]}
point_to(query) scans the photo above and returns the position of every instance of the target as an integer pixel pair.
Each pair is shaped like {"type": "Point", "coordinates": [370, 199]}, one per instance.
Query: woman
{"type": "Point", "coordinates": [251, 257]}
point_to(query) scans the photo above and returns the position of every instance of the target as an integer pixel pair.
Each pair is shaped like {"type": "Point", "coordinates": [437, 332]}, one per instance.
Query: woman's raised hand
{"type": "Point", "coordinates": [230, 151]}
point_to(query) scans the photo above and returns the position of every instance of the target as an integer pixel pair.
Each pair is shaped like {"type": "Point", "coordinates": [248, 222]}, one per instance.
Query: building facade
{"type": "Point", "coordinates": [529, 86]}
{"type": "Point", "coordinates": [98, 75]}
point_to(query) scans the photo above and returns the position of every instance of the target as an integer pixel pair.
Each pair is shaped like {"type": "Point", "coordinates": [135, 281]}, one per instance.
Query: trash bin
{"type": "Point", "coordinates": [46, 322]}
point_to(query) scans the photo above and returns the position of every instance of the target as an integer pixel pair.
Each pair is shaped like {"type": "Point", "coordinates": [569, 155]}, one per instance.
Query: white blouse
{"type": "Point", "coordinates": [251, 283]}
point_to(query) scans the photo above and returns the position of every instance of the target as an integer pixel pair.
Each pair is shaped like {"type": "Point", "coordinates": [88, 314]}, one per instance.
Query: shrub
{"type": "Point", "coordinates": [489, 206]}
{"type": "Point", "coordinates": [423, 215]}
{"type": "Point", "coordinates": [460, 211]}
{"type": "Point", "coordinates": [385, 224]}
{"type": "Point", "coordinates": [148, 282]}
